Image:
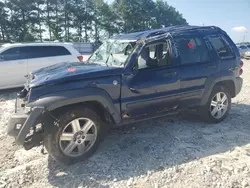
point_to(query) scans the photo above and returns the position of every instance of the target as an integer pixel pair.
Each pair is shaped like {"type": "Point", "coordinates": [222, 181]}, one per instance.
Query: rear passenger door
{"type": "Point", "coordinates": [43, 56]}
{"type": "Point", "coordinates": [196, 65]}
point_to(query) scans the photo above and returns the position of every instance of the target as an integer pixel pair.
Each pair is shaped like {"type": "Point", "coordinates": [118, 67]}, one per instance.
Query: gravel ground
{"type": "Point", "coordinates": [176, 151]}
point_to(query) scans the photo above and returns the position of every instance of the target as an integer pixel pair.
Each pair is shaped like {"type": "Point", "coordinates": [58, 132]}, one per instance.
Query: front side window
{"type": "Point", "coordinates": [155, 55]}
{"type": "Point", "coordinates": [10, 54]}
{"type": "Point", "coordinates": [192, 49]}
{"type": "Point", "coordinates": [221, 47]}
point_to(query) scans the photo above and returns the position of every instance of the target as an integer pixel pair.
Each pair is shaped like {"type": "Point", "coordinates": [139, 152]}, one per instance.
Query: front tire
{"type": "Point", "coordinates": [77, 137]}
{"type": "Point", "coordinates": [218, 105]}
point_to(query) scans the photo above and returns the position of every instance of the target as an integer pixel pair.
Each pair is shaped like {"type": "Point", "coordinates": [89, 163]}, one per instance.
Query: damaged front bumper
{"type": "Point", "coordinates": [23, 121]}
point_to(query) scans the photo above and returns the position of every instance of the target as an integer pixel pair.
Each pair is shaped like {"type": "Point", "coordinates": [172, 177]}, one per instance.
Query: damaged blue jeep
{"type": "Point", "coordinates": [69, 107]}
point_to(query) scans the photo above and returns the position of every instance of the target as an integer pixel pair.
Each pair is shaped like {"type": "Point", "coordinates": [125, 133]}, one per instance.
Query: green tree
{"type": "Point", "coordinates": [54, 21]}
{"type": "Point", "coordinates": [104, 19]}
{"type": "Point", "coordinates": [145, 14]}
{"type": "Point", "coordinates": [4, 36]}
{"type": "Point", "coordinates": [37, 17]}
{"type": "Point", "coordinates": [82, 13]}
{"type": "Point", "coordinates": [166, 15]}
{"type": "Point", "coordinates": [81, 20]}
{"type": "Point", "coordinates": [21, 19]}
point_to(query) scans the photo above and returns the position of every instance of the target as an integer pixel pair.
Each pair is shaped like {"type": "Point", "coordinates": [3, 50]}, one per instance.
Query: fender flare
{"type": "Point", "coordinates": [212, 81]}
{"type": "Point", "coordinates": [59, 99]}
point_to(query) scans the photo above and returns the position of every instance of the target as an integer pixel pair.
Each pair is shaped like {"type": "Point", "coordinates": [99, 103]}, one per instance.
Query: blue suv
{"type": "Point", "coordinates": [69, 107]}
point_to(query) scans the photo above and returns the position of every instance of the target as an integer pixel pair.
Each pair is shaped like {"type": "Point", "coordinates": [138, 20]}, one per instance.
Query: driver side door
{"type": "Point", "coordinates": [13, 68]}
{"type": "Point", "coordinates": [153, 89]}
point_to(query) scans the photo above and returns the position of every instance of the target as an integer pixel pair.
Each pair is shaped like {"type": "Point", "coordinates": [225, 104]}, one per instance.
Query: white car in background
{"type": "Point", "coordinates": [242, 49]}
{"type": "Point", "coordinates": [17, 60]}
{"type": "Point", "coordinates": [247, 53]}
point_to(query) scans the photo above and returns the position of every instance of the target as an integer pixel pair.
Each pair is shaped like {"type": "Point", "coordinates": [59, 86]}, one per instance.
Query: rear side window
{"type": "Point", "coordinates": [45, 51]}
{"type": "Point", "coordinates": [192, 50]}
{"type": "Point", "coordinates": [221, 47]}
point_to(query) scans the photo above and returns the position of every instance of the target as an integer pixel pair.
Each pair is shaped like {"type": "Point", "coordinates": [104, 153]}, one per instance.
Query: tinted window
{"type": "Point", "coordinates": [192, 50]}
{"type": "Point", "coordinates": [44, 51]}
{"type": "Point", "coordinates": [243, 47]}
{"type": "Point", "coordinates": [221, 47]}
{"type": "Point", "coordinates": [11, 54]}
{"type": "Point", "coordinates": [155, 55]}
{"type": "Point", "coordinates": [248, 46]}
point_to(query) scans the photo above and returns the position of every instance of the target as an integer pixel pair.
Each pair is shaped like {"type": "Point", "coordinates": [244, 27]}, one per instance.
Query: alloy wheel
{"type": "Point", "coordinates": [78, 137]}
{"type": "Point", "coordinates": [219, 105]}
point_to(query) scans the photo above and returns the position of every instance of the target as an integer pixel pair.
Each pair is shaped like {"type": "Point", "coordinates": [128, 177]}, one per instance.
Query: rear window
{"type": "Point", "coordinates": [44, 51]}
{"type": "Point", "coordinates": [221, 47]}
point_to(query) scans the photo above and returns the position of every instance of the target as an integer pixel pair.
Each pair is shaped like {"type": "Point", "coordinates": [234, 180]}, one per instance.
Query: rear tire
{"type": "Point", "coordinates": [217, 106]}
{"type": "Point", "coordinates": [77, 137]}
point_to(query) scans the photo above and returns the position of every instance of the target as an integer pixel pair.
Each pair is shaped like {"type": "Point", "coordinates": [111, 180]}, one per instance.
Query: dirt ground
{"type": "Point", "coordinates": [180, 151]}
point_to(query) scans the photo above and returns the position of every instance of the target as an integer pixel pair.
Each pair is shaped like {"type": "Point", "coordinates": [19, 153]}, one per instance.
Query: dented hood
{"type": "Point", "coordinates": [64, 72]}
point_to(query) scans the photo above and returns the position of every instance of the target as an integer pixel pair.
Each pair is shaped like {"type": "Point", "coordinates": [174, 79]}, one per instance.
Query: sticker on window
{"type": "Point", "coordinates": [190, 45]}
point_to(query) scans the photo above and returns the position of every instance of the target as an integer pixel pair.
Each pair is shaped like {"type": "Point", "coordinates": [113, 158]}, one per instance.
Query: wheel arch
{"type": "Point", "coordinates": [94, 98]}
{"type": "Point", "coordinates": [227, 81]}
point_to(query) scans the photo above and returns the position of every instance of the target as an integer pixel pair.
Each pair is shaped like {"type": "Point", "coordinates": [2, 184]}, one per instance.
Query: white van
{"type": "Point", "coordinates": [17, 60]}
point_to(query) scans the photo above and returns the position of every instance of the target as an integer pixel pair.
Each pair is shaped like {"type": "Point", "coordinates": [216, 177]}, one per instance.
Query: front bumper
{"type": "Point", "coordinates": [238, 85]}
{"type": "Point", "coordinates": [22, 121]}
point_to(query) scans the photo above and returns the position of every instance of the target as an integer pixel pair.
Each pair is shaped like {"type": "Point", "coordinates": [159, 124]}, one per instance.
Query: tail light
{"type": "Point", "coordinates": [241, 66]}
{"type": "Point", "coordinates": [80, 58]}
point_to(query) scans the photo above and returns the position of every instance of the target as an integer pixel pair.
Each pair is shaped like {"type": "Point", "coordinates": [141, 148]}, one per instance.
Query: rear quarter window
{"type": "Point", "coordinates": [221, 47]}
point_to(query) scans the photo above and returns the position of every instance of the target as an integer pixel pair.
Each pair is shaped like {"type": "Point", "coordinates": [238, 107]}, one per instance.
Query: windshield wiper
{"type": "Point", "coordinates": [108, 59]}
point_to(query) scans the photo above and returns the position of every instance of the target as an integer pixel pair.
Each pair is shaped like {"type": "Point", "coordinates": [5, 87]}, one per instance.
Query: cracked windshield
{"type": "Point", "coordinates": [112, 53]}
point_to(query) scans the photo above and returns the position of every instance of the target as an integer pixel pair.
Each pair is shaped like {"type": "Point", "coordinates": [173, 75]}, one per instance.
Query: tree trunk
{"type": "Point", "coordinates": [65, 21]}
{"type": "Point", "coordinates": [40, 26]}
{"type": "Point", "coordinates": [80, 32]}
{"type": "Point", "coordinates": [96, 32]}
{"type": "Point", "coordinates": [65, 25]}
{"type": "Point", "coordinates": [56, 29]}
{"type": "Point", "coordinates": [85, 31]}
{"type": "Point", "coordinates": [2, 31]}
{"type": "Point", "coordinates": [48, 19]}
{"type": "Point", "coordinates": [21, 38]}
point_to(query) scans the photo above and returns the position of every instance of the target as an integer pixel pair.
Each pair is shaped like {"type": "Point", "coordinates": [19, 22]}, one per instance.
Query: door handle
{"type": "Point", "coordinates": [211, 67]}
{"type": "Point", "coordinates": [168, 74]}
{"type": "Point", "coordinates": [133, 90]}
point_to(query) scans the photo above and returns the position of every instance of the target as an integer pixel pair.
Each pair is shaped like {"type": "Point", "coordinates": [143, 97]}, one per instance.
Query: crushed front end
{"type": "Point", "coordinates": [25, 124]}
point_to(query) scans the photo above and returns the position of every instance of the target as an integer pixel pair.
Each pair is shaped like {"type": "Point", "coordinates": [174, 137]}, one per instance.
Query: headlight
{"type": "Point", "coordinates": [27, 109]}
